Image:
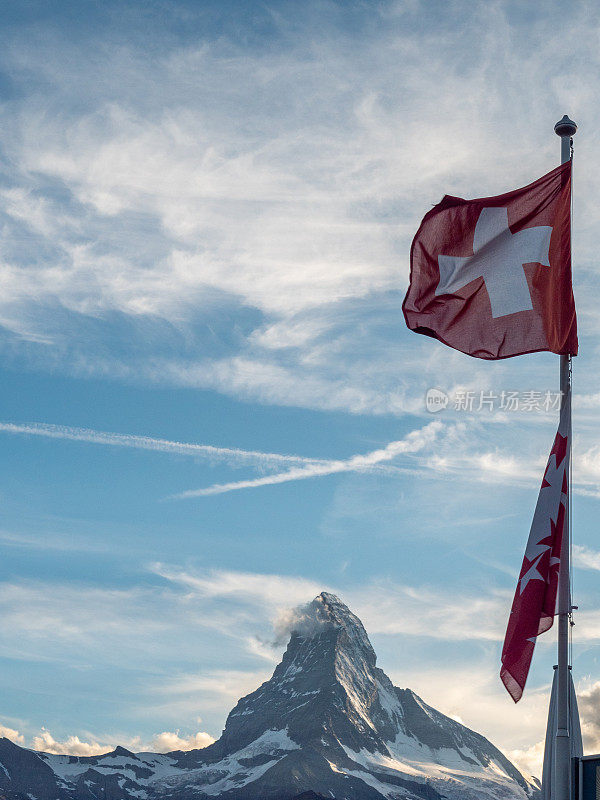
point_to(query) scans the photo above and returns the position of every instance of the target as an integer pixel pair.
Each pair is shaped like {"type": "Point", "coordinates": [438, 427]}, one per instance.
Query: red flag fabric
{"type": "Point", "coordinates": [534, 604]}
{"type": "Point", "coordinates": [492, 277]}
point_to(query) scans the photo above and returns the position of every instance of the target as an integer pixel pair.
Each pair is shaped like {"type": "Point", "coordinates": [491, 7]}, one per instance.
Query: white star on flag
{"type": "Point", "coordinates": [534, 604]}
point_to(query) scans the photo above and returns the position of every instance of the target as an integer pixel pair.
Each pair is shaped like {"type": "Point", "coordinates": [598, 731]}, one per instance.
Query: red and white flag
{"type": "Point", "coordinates": [534, 604]}
{"type": "Point", "coordinates": [492, 277]}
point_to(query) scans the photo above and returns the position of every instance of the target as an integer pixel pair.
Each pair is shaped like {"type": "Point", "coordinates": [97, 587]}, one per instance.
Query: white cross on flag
{"type": "Point", "coordinates": [534, 604]}
{"type": "Point", "coordinates": [492, 277]}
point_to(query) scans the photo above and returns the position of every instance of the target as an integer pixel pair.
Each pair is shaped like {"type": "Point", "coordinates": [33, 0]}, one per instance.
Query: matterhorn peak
{"type": "Point", "coordinates": [328, 722]}
{"type": "Point", "coordinates": [325, 613]}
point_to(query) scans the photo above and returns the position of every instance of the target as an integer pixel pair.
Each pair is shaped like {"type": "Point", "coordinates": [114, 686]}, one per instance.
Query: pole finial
{"type": "Point", "coordinates": [565, 127]}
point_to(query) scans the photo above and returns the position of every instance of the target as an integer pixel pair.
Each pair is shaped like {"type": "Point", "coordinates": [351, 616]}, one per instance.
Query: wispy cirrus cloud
{"type": "Point", "coordinates": [386, 607]}
{"type": "Point", "coordinates": [49, 541]}
{"type": "Point", "coordinates": [231, 455]}
{"type": "Point", "coordinates": [246, 587]}
{"type": "Point", "coordinates": [276, 189]}
{"type": "Point", "coordinates": [217, 687]}
{"type": "Point", "coordinates": [413, 443]}
{"type": "Point", "coordinates": [445, 448]}
{"type": "Point", "coordinates": [586, 558]}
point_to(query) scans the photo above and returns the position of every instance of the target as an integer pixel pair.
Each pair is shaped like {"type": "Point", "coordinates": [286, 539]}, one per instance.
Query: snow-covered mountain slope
{"type": "Point", "coordinates": [329, 722]}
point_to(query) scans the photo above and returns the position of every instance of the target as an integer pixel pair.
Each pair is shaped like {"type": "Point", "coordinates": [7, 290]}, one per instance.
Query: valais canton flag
{"type": "Point", "coordinates": [534, 604]}
{"type": "Point", "coordinates": [492, 277]}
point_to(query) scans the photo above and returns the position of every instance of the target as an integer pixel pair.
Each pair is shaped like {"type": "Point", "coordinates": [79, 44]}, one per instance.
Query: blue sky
{"type": "Point", "coordinates": [211, 409]}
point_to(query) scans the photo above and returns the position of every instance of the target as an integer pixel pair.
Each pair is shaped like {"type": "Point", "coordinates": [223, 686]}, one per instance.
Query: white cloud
{"type": "Point", "coordinates": [81, 626]}
{"type": "Point", "coordinates": [49, 541]}
{"type": "Point", "coordinates": [530, 759]}
{"type": "Point", "coordinates": [585, 557]}
{"type": "Point", "coordinates": [164, 742]}
{"type": "Point", "coordinates": [72, 745]}
{"type": "Point", "coordinates": [278, 184]}
{"type": "Point", "coordinates": [321, 376]}
{"type": "Point", "coordinates": [403, 610]}
{"type": "Point", "coordinates": [450, 448]}
{"type": "Point", "coordinates": [215, 691]}
{"type": "Point", "coordinates": [588, 625]}
{"type": "Point", "coordinates": [267, 590]}
{"type": "Point", "coordinates": [385, 607]}
{"type": "Point", "coordinates": [415, 441]}
{"type": "Point", "coordinates": [167, 741]}
{"type": "Point", "coordinates": [70, 612]}
{"type": "Point", "coordinates": [232, 455]}
{"type": "Point", "coordinates": [217, 687]}
{"type": "Point", "coordinates": [588, 698]}
{"type": "Point", "coordinates": [12, 734]}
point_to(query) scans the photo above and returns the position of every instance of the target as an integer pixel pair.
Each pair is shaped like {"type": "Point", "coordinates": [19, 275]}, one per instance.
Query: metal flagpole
{"type": "Point", "coordinates": [562, 777]}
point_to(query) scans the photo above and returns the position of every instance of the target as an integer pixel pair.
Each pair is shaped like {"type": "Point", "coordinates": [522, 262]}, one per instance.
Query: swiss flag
{"type": "Point", "coordinates": [534, 604]}
{"type": "Point", "coordinates": [492, 277]}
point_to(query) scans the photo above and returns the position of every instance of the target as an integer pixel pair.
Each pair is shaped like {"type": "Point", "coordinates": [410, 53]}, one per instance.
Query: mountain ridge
{"type": "Point", "coordinates": [328, 721]}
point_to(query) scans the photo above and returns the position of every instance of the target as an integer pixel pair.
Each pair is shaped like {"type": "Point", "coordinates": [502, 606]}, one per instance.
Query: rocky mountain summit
{"type": "Point", "coordinates": [329, 723]}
